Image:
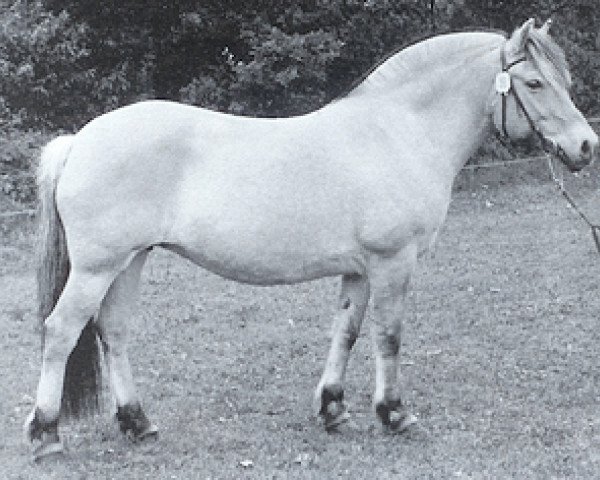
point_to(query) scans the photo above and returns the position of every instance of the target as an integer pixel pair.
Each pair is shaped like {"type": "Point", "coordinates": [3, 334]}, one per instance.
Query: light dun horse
{"type": "Point", "coordinates": [358, 189]}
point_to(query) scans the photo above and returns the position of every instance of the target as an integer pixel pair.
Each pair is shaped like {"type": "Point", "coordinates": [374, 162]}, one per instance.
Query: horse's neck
{"type": "Point", "coordinates": [455, 111]}
{"type": "Point", "coordinates": [443, 110]}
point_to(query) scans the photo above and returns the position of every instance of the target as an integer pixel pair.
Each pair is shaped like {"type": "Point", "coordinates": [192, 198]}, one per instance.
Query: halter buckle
{"type": "Point", "coordinates": [503, 83]}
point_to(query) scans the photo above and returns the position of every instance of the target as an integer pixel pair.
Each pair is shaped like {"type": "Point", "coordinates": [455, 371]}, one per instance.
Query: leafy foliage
{"type": "Point", "coordinates": [17, 149]}
{"type": "Point", "coordinates": [39, 58]}
{"type": "Point", "coordinates": [64, 61]}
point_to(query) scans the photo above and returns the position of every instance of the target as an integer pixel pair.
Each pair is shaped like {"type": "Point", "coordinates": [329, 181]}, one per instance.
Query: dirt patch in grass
{"type": "Point", "coordinates": [500, 362]}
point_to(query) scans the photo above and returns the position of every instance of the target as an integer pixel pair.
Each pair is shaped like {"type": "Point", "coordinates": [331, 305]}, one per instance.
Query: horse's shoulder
{"type": "Point", "coordinates": [401, 210]}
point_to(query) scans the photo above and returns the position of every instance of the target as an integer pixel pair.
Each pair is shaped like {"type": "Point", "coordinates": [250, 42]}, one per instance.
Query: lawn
{"type": "Point", "coordinates": [500, 361]}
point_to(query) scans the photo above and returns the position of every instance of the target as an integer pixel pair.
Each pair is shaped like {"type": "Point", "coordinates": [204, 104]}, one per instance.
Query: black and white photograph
{"type": "Point", "coordinates": [299, 240]}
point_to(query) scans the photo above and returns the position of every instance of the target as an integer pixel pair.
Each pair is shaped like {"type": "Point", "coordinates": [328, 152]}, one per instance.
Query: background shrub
{"type": "Point", "coordinates": [63, 62]}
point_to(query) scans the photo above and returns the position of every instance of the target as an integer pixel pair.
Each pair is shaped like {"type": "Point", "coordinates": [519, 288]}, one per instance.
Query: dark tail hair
{"type": "Point", "coordinates": [82, 384]}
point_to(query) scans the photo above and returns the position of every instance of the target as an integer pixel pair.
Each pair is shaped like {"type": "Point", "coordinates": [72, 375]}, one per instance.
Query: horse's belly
{"type": "Point", "coordinates": [266, 219]}
{"type": "Point", "coordinates": [264, 265]}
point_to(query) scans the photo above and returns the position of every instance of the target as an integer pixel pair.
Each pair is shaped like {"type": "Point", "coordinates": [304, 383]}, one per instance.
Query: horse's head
{"type": "Point", "coordinates": [533, 93]}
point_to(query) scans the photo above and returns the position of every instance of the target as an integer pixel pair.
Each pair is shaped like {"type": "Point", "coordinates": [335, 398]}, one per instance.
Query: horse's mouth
{"type": "Point", "coordinates": [573, 166]}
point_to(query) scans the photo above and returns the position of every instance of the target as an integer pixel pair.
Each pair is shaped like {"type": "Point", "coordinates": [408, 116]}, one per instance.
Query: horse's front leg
{"type": "Point", "coordinates": [329, 395]}
{"type": "Point", "coordinates": [390, 277]}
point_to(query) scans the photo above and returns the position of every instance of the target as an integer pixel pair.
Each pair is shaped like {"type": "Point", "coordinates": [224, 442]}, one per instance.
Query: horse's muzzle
{"type": "Point", "coordinates": [587, 153]}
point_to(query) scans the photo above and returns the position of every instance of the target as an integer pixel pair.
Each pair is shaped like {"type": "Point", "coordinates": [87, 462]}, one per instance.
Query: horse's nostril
{"type": "Point", "coordinates": [585, 147]}
{"type": "Point", "coordinates": [588, 150]}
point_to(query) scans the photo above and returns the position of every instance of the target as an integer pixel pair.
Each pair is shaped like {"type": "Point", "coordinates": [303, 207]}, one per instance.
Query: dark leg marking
{"type": "Point", "coordinates": [394, 416]}
{"type": "Point", "coordinates": [352, 333]}
{"type": "Point", "coordinates": [384, 409]}
{"type": "Point", "coordinates": [45, 436]}
{"type": "Point", "coordinates": [332, 393]}
{"type": "Point", "coordinates": [42, 430]}
{"type": "Point", "coordinates": [351, 340]}
{"type": "Point", "coordinates": [134, 423]}
{"type": "Point", "coordinates": [390, 345]}
{"type": "Point", "coordinates": [333, 409]}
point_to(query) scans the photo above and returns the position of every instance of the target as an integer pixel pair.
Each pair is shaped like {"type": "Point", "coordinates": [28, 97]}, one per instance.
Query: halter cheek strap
{"type": "Point", "coordinates": [508, 89]}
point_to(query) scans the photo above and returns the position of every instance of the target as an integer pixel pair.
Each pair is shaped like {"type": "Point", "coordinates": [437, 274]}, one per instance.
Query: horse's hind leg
{"type": "Point", "coordinates": [113, 319]}
{"type": "Point", "coordinates": [329, 395]}
{"type": "Point", "coordinates": [78, 302]}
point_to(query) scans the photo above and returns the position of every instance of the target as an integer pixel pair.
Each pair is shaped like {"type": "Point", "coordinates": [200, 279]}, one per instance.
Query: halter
{"type": "Point", "coordinates": [509, 88]}
{"type": "Point", "coordinates": [504, 86]}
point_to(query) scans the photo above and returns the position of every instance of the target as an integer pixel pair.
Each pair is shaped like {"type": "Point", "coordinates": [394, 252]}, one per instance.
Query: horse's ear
{"type": "Point", "coordinates": [516, 42]}
{"type": "Point", "coordinates": [546, 26]}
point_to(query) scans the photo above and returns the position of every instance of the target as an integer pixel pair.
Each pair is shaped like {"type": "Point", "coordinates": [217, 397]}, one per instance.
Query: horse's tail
{"type": "Point", "coordinates": [82, 382]}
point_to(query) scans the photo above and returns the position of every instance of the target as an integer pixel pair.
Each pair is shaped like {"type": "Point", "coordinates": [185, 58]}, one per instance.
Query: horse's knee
{"type": "Point", "coordinates": [348, 333]}
{"type": "Point", "coordinates": [387, 340]}
{"type": "Point", "coordinates": [350, 339]}
{"type": "Point", "coordinates": [348, 324]}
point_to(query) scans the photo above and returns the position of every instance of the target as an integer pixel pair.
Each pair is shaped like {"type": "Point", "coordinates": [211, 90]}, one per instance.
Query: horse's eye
{"type": "Point", "coordinates": [534, 84]}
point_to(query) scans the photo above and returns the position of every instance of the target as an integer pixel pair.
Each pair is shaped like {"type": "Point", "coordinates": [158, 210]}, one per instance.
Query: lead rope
{"type": "Point", "coordinates": [561, 188]}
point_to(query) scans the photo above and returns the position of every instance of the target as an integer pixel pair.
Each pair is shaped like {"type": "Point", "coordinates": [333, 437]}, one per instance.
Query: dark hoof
{"type": "Point", "coordinates": [48, 449]}
{"type": "Point", "coordinates": [336, 415]}
{"type": "Point", "coordinates": [151, 433]}
{"type": "Point", "coordinates": [333, 411]}
{"type": "Point", "coordinates": [36, 426]}
{"type": "Point", "coordinates": [43, 435]}
{"type": "Point", "coordinates": [394, 417]}
{"type": "Point", "coordinates": [134, 423]}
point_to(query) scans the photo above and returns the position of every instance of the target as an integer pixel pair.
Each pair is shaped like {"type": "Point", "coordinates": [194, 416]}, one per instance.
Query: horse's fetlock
{"type": "Point", "coordinates": [132, 420]}
{"type": "Point", "coordinates": [388, 411]}
{"type": "Point", "coordinates": [330, 394]}
{"type": "Point", "coordinates": [38, 426]}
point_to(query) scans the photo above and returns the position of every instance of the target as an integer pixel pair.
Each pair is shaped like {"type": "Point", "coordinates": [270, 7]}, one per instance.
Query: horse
{"type": "Point", "coordinates": [357, 189]}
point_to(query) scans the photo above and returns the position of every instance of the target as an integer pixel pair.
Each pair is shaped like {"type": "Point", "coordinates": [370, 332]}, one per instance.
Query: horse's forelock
{"type": "Point", "coordinates": [549, 58]}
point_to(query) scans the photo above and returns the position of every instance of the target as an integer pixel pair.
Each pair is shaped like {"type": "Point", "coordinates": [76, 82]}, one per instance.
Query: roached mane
{"type": "Point", "coordinates": [543, 51]}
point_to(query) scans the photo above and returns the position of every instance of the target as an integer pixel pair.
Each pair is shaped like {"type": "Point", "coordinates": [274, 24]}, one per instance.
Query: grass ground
{"type": "Point", "coordinates": [500, 360]}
